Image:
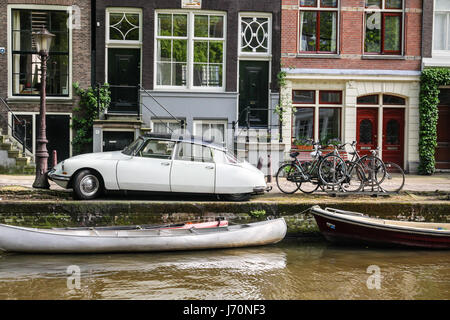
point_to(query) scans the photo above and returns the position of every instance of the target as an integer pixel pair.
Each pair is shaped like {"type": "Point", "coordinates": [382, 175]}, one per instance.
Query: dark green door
{"type": "Point", "coordinates": [123, 78]}
{"type": "Point", "coordinates": [253, 93]}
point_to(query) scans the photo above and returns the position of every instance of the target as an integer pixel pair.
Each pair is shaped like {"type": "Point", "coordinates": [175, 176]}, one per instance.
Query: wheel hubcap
{"type": "Point", "coordinates": [89, 185]}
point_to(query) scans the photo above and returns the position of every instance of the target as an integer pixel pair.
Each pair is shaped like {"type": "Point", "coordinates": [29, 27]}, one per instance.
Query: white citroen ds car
{"type": "Point", "coordinates": [161, 163]}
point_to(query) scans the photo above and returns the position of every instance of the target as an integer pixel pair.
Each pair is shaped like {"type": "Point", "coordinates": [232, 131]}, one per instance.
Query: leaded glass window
{"type": "Point", "coordinates": [365, 131]}
{"type": "Point", "coordinates": [124, 26]}
{"type": "Point", "coordinates": [255, 35]}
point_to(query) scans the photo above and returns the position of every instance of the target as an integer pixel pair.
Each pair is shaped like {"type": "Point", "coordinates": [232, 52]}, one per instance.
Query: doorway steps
{"type": "Point", "coordinates": [11, 159]}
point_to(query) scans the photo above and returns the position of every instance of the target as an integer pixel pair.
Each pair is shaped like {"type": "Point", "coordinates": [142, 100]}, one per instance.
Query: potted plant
{"type": "Point", "coordinates": [302, 143]}
{"type": "Point", "coordinates": [328, 143]}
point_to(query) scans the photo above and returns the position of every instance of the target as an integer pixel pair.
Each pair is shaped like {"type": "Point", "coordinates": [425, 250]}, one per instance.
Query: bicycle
{"type": "Point", "coordinates": [372, 166]}
{"type": "Point", "coordinates": [387, 176]}
{"type": "Point", "coordinates": [324, 171]}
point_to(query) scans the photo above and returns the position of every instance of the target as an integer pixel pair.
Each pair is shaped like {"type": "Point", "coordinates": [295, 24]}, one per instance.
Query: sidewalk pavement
{"type": "Point", "coordinates": [415, 183]}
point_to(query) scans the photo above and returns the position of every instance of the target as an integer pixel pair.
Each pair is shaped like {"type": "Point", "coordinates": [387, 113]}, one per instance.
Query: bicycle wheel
{"type": "Point", "coordinates": [288, 178]}
{"type": "Point", "coordinates": [332, 170]}
{"type": "Point", "coordinates": [374, 170]}
{"type": "Point", "coordinates": [354, 180]}
{"type": "Point", "coordinates": [394, 179]}
{"type": "Point", "coordinates": [308, 186]}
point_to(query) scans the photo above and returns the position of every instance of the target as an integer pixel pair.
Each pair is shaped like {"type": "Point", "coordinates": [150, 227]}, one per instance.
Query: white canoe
{"type": "Point", "coordinates": [32, 240]}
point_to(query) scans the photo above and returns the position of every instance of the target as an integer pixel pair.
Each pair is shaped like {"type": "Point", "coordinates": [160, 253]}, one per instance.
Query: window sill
{"type": "Point", "coordinates": [382, 57]}
{"type": "Point", "coordinates": [49, 100]}
{"type": "Point", "coordinates": [319, 55]}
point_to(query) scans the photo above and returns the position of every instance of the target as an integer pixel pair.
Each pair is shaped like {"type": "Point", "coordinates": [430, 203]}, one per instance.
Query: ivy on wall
{"type": "Point", "coordinates": [85, 114]}
{"type": "Point", "coordinates": [430, 81]}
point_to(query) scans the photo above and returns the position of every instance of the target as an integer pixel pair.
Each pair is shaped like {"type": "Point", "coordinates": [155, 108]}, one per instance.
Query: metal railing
{"type": "Point", "coordinates": [180, 121]}
{"type": "Point", "coordinates": [23, 124]}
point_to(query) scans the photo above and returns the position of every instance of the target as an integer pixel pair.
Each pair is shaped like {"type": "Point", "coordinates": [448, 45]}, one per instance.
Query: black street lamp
{"type": "Point", "coordinates": [43, 40]}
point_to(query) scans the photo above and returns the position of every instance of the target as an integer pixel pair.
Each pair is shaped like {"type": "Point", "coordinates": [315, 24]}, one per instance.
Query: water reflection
{"type": "Point", "coordinates": [289, 270]}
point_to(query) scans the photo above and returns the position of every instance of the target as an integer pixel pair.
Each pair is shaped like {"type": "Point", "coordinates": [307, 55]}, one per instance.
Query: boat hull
{"type": "Point", "coordinates": [29, 240]}
{"type": "Point", "coordinates": [344, 230]}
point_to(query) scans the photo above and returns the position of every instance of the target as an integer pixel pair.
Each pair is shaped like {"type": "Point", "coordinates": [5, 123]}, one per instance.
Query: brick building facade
{"type": "Point", "coordinates": [360, 81]}
{"type": "Point", "coordinates": [70, 62]}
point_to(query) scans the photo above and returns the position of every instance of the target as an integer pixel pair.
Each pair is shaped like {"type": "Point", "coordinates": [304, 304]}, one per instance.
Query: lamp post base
{"type": "Point", "coordinates": [41, 181]}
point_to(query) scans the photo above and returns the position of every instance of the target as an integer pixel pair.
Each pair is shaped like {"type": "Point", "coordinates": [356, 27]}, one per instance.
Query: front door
{"type": "Point", "coordinates": [442, 153]}
{"type": "Point", "coordinates": [193, 169]}
{"type": "Point", "coordinates": [393, 135]}
{"type": "Point", "coordinates": [366, 130]}
{"type": "Point", "coordinates": [253, 93]}
{"type": "Point", "coordinates": [123, 78]}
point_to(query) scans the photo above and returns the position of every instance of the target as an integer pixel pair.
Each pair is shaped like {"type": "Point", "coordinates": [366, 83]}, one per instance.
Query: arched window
{"type": "Point", "coordinates": [393, 100]}
{"type": "Point", "coordinates": [369, 99]}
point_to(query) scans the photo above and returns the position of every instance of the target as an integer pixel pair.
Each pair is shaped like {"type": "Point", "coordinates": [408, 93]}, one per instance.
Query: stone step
{"type": "Point", "coordinates": [6, 146]}
{"type": "Point", "coordinates": [22, 161]}
{"type": "Point", "coordinates": [13, 153]}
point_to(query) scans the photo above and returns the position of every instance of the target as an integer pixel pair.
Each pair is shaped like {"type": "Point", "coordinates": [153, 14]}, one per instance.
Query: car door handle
{"type": "Point", "coordinates": [209, 167]}
{"type": "Point", "coordinates": [165, 164]}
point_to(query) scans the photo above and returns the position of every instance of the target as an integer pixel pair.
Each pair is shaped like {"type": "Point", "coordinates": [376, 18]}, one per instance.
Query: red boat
{"type": "Point", "coordinates": [353, 227]}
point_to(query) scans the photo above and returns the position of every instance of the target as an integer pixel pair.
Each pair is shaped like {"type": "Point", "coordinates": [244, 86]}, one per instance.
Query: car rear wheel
{"type": "Point", "coordinates": [87, 185]}
{"type": "Point", "coordinates": [236, 197]}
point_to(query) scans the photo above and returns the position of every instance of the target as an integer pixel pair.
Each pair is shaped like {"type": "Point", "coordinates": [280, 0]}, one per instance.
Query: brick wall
{"type": "Point", "coordinates": [81, 56]}
{"type": "Point", "coordinates": [351, 39]}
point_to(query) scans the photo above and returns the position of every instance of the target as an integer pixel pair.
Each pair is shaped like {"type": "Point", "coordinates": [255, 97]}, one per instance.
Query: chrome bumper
{"type": "Point", "coordinates": [261, 190]}
{"type": "Point", "coordinates": [62, 181]}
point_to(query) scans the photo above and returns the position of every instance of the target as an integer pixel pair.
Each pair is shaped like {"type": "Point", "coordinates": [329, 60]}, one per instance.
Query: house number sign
{"type": "Point", "coordinates": [191, 4]}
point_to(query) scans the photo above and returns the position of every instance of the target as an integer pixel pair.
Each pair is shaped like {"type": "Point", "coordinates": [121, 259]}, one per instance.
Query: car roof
{"type": "Point", "coordinates": [184, 138]}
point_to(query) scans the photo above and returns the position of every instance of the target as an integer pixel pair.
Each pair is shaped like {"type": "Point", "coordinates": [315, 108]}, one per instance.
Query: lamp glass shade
{"type": "Point", "coordinates": [43, 40]}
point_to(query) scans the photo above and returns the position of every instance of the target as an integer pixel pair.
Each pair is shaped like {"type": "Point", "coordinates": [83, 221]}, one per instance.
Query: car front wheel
{"type": "Point", "coordinates": [87, 185]}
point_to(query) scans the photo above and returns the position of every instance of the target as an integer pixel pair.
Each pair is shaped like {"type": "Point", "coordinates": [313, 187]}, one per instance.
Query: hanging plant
{"type": "Point", "coordinates": [430, 82]}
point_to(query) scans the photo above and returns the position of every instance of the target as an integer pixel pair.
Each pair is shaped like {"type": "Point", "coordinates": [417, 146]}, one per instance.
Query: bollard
{"type": "Point", "coordinates": [260, 163]}
{"type": "Point", "coordinates": [55, 158]}
{"type": "Point", "coordinates": [269, 168]}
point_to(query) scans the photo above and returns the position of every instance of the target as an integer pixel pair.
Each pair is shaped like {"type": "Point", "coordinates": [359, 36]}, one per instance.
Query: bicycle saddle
{"type": "Point", "coordinates": [294, 154]}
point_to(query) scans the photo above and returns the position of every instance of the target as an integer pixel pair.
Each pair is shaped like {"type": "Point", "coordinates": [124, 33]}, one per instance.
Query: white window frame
{"type": "Point", "coordinates": [403, 31]}
{"type": "Point", "coordinates": [125, 43]}
{"type": "Point", "coordinates": [190, 50]}
{"type": "Point", "coordinates": [11, 7]}
{"type": "Point", "coordinates": [154, 121]}
{"type": "Point", "coordinates": [441, 52]}
{"type": "Point", "coordinates": [267, 54]}
{"type": "Point", "coordinates": [338, 27]}
{"type": "Point", "coordinates": [211, 122]}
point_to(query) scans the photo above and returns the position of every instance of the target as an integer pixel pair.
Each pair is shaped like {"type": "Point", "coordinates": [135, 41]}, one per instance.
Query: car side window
{"type": "Point", "coordinates": [193, 152]}
{"type": "Point", "coordinates": [159, 149]}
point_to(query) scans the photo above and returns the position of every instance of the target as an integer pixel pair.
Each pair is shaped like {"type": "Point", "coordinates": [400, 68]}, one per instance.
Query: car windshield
{"type": "Point", "coordinates": [133, 147]}
{"type": "Point", "coordinates": [231, 158]}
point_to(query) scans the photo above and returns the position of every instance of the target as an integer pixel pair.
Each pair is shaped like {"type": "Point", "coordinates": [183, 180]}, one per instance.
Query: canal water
{"type": "Point", "coordinates": [288, 270]}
